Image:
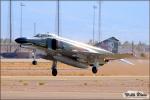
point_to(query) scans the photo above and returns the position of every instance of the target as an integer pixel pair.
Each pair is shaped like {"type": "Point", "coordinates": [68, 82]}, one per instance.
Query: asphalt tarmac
{"type": "Point", "coordinates": [71, 87]}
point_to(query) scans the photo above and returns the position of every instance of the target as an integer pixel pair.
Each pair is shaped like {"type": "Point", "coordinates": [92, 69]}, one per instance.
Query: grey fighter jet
{"type": "Point", "coordinates": [70, 52]}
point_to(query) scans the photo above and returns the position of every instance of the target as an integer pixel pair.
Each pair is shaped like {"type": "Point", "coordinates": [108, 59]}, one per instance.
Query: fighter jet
{"type": "Point", "coordinates": [69, 52]}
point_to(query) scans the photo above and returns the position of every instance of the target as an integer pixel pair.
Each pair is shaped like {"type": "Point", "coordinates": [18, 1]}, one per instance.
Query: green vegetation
{"type": "Point", "coordinates": [25, 83]}
{"type": "Point", "coordinates": [20, 80]}
{"type": "Point", "coordinates": [41, 83]}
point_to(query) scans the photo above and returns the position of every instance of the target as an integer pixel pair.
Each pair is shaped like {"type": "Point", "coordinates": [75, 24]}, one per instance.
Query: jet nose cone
{"type": "Point", "coordinates": [21, 40]}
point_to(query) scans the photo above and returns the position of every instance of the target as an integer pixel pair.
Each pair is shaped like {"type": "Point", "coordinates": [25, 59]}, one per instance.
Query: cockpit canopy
{"type": "Point", "coordinates": [45, 35]}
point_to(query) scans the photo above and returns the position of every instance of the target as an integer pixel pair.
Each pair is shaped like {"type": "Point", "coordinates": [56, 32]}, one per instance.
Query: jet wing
{"type": "Point", "coordinates": [87, 54]}
{"type": "Point", "coordinates": [117, 56]}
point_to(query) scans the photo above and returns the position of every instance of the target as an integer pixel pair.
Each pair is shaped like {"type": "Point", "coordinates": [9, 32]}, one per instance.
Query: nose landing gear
{"type": "Point", "coordinates": [54, 68]}
{"type": "Point", "coordinates": [34, 62]}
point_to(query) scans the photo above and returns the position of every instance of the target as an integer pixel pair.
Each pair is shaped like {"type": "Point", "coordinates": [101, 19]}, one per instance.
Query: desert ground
{"type": "Point", "coordinates": [22, 80]}
{"type": "Point", "coordinates": [71, 87]}
{"type": "Point", "coordinates": [24, 67]}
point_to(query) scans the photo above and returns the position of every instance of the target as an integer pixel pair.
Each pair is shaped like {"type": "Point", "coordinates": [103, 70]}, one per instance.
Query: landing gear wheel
{"type": "Point", "coordinates": [54, 72]}
{"type": "Point", "coordinates": [34, 62]}
{"type": "Point", "coordinates": [94, 70]}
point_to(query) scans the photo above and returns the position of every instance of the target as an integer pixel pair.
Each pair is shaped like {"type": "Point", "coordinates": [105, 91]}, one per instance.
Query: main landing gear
{"type": "Point", "coordinates": [94, 69]}
{"type": "Point", "coordinates": [54, 68]}
{"type": "Point", "coordinates": [34, 62]}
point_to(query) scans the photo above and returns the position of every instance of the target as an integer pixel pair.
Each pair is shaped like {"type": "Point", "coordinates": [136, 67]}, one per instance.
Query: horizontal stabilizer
{"type": "Point", "coordinates": [126, 61]}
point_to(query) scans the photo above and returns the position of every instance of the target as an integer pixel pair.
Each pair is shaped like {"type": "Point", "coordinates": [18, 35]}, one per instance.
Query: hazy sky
{"type": "Point", "coordinates": [125, 20]}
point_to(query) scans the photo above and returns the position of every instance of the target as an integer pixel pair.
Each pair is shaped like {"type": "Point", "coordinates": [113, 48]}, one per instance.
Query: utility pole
{"type": "Point", "coordinates": [94, 8]}
{"type": "Point", "coordinates": [99, 22]}
{"type": "Point", "coordinates": [21, 5]}
{"type": "Point", "coordinates": [10, 28]}
{"type": "Point", "coordinates": [57, 21]}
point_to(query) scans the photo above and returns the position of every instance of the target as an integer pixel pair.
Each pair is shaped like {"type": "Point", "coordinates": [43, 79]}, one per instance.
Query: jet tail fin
{"type": "Point", "coordinates": [110, 44]}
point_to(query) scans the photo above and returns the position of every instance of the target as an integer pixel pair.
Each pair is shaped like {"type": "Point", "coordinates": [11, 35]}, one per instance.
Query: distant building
{"type": "Point", "coordinates": [110, 44]}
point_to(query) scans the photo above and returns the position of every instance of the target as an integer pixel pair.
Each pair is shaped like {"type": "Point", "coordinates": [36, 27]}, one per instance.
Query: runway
{"type": "Point", "coordinates": [71, 87]}
{"type": "Point", "coordinates": [24, 67]}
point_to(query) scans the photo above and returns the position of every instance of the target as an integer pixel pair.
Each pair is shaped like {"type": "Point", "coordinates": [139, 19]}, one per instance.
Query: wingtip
{"type": "Point", "coordinates": [126, 61]}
